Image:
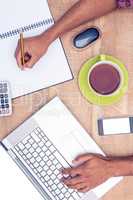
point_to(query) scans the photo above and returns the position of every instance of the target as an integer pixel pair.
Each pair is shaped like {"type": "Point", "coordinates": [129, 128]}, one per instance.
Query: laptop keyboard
{"type": "Point", "coordinates": [46, 162]}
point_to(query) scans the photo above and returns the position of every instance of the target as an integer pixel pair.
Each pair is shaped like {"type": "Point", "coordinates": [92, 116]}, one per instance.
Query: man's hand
{"type": "Point", "coordinates": [34, 48]}
{"type": "Point", "coordinates": [92, 171]}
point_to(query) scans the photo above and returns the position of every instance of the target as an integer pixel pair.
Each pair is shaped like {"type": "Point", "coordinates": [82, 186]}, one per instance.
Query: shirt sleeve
{"type": "Point", "coordinates": [125, 3]}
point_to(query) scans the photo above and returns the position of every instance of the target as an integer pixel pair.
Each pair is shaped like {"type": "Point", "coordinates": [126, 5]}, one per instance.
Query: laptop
{"type": "Point", "coordinates": [47, 142]}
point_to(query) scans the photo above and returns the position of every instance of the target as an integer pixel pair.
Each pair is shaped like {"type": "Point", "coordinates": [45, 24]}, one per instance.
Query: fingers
{"type": "Point", "coordinates": [29, 63]}
{"type": "Point", "coordinates": [83, 158]}
{"type": "Point", "coordinates": [72, 181]}
{"type": "Point", "coordinates": [79, 186]}
{"type": "Point", "coordinates": [76, 183]}
{"type": "Point", "coordinates": [73, 171]}
{"type": "Point", "coordinates": [27, 57]}
{"type": "Point", "coordinates": [84, 189]}
{"type": "Point", "coordinates": [29, 60]}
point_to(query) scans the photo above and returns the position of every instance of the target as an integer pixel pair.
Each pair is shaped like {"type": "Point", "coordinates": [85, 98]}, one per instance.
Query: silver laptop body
{"type": "Point", "coordinates": [40, 158]}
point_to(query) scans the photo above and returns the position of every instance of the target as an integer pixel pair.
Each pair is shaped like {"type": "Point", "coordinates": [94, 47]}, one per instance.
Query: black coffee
{"type": "Point", "coordinates": [105, 79]}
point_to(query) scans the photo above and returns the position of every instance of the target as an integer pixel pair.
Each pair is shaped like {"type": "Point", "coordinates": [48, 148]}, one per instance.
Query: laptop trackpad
{"type": "Point", "coordinates": [70, 147]}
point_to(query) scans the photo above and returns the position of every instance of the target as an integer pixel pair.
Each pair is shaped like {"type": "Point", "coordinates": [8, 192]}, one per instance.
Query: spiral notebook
{"type": "Point", "coordinates": [32, 17]}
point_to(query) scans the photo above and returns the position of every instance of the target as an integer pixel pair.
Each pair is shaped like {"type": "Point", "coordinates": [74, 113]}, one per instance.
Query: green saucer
{"type": "Point", "coordinates": [90, 94]}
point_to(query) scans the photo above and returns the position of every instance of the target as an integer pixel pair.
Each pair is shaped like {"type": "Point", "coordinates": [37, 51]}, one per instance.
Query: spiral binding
{"type": "Point", "coordinates": [26, 28]}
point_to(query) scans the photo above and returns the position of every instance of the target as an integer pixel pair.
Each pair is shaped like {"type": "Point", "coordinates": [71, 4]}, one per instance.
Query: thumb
{"type": "Point", "coordinates": [83, 158]}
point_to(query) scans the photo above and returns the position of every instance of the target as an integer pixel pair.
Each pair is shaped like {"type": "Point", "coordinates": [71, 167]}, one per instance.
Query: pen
{"type": "Point", "coordinates": [22, 48]}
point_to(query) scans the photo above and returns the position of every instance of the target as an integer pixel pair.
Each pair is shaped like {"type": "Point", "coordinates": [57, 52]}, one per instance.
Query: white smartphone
{"type": "Point", "coordinates": [112, 126]}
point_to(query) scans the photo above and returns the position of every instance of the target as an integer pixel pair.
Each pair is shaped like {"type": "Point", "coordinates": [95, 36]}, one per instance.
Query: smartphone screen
{"type": "Point", "coordinates": [115, 126]}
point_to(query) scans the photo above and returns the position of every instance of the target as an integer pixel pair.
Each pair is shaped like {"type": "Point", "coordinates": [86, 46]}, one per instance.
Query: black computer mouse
{"type": "Point", "coordinates": [86, 37]}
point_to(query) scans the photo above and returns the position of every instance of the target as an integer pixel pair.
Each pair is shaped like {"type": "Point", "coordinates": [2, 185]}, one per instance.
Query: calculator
{"type": "Point", "coordinates": [5, 99]}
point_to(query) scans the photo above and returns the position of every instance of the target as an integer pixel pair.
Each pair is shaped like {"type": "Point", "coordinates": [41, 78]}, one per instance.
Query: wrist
{"type": "Point", "coordinates": [46, 37]}
{"type": "Point", "coordinates": [50, 35]}
{"type": "Point", "coordinates": [121, 167]}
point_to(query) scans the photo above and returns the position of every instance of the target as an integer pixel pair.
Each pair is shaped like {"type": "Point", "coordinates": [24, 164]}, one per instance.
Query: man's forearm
{"type": "Point", "coordinates": [81, 12]}
{"type": "Point", "coordinates": [122, 166]}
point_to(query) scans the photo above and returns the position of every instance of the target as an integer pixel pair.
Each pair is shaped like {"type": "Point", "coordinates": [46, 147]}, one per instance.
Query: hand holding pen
{"type": "Point", "coordinates": [30, 50]}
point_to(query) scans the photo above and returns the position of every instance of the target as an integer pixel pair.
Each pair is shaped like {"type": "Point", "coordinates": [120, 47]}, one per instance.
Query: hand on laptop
{"type": "Point", "coordinates": [34, 48]}
{"type": "Point", "coordinates": [92, 171]}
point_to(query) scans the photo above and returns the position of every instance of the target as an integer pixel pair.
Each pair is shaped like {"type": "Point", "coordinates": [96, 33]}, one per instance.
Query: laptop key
{"type": "Point", "coordinates": [71, 198]}
{"type": "Point", "coordinates": [60, 158]}
{"type": "Point", "coordinates": [67, 195]}
{"type": "Point", "coordinates": [32, 160]}
{"type": "Point", "coordinates": [50, 182]}
{"type": "Point", "coordinates": [49, 172]}
{"type": "Point", "coordinates": [21, 146]}
{"type": "Point", "coordinates": [31, 150]}
{"type": "Point", "coordinates": [60, 186]}
{"type": "Point", "coordinates": [45, 158]}
{"type": "Point", "coordinates": [75, 195]}
{"type": "Point", "coordinates": [36, 138]}
{"type": "Point", "coordinates": [53, 176]}
{"type": "Point", "coordinates": [41, 144]}
{"type": "Point", "coordinates": [39, 169]}
{"type": "Point", "coordinates": [47, 178]}
{"type": "Point", "coordinates": [42, 163]}
{"type": "Point", "coordinates": [34, 145]}
{"type": "Point", "coordinates": [35, 154]}
{"type": "Point", "coordinates": [36, 165]}
{"type": "Point", "coordinates": [28, 145]}
{"type": "Point", "coordinates": [43, 173]}
{"type": "Point", "coordinates": [54, 187]}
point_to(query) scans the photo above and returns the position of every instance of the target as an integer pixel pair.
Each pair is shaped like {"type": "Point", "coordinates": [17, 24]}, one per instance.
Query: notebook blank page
{"type": "Point", "coordinates": [15, 13]}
